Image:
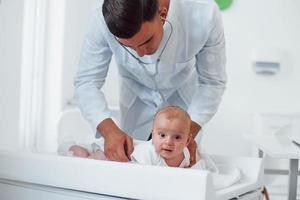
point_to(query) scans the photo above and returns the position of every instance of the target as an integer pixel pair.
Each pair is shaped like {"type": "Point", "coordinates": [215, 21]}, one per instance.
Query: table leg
{"type": "Point", "coordinates": [293, 172]}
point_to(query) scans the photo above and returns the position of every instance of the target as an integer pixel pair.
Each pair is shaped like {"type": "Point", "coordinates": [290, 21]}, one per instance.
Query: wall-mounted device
{"type": "Point", "coordinates": [266, 61]}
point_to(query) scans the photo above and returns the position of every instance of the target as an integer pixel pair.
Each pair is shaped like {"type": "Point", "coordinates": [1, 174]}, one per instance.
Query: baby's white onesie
{"type": "Point", "coordinates": [144, 153]}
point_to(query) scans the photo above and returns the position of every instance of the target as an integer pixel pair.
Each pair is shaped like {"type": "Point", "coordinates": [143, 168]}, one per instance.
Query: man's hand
{"type": "Point", "coordinates": [192, 146]}
{"type": "Point", "coordinates": [118, 146]}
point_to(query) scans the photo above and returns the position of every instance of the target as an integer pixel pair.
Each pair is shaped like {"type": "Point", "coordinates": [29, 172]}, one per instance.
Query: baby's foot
{"type": "Point", "coordinates": [79, 151]}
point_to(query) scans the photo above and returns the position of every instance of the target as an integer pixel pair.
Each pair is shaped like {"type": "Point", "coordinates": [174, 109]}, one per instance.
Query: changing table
{"type": "Point", "coordinates": [94, 179]}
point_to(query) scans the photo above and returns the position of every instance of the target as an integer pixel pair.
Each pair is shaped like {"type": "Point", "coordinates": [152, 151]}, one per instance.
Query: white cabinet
{"type": "Point", "coordinates": [12, 190]}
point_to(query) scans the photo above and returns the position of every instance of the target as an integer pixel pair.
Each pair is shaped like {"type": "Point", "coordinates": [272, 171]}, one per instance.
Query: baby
{"type": "Point", "coordinates": [170, 137]}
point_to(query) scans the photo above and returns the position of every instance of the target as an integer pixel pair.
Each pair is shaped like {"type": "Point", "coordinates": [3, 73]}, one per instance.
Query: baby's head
{"type": "Point", "coordinates": [171, 132]}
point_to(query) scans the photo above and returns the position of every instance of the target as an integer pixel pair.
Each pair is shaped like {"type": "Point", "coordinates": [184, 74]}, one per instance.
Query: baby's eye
{"type": "Point", "coordinates": [178, 137]}
{"type": "Point", "coordinates": [162, 135]}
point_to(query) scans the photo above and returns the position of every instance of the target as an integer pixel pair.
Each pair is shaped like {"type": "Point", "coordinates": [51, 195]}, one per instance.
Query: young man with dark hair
{"type": "Point", "coordinates": [168, 52]}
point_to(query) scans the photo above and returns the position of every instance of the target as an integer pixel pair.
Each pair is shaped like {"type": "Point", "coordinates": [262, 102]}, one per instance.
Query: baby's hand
{"type": "Point", "coordinates": [98, 155]}
{"type": "Point", "coordinates": [192, 146]}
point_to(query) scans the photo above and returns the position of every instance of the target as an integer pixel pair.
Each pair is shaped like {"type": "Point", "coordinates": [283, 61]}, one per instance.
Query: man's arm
{"type": "Point", "coordinates": [210, 66]}
{"type": "Point", "coordinates": [93, 67]}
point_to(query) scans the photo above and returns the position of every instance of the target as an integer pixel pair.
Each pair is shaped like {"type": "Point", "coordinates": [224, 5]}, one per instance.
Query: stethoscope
{"type": "Point", "coordinates": [142, 63]}
{"type": "Point", "coordinates": [148, 73]}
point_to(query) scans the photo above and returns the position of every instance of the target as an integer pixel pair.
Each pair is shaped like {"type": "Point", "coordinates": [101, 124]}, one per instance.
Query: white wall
{"type": "Point", "coordinates": [258, 25]}
{"type": "Point", "coordinates": [11, 18]}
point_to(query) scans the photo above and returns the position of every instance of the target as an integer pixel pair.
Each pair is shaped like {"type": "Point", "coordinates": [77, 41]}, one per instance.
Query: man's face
{"type": "Point", "coordinates": [170, 137]}
{"type": "Point", "coordinates": [147, 40]}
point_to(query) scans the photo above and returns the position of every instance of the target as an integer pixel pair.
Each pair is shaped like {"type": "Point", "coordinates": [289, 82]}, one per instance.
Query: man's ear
{"type": "Point", "coordinates": [163, 11]}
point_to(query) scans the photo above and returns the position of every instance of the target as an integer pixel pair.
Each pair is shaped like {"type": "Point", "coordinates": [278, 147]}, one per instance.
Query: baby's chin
{"type": "Point", "coordinates": [167, 154]}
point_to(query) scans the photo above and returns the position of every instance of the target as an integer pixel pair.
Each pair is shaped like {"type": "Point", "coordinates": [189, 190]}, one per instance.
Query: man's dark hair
{"type": "Point", "coordinates": [124, 18]}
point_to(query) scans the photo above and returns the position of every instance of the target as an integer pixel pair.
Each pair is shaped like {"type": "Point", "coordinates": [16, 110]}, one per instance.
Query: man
{"type": "Point", "coordinates": [168, 52]}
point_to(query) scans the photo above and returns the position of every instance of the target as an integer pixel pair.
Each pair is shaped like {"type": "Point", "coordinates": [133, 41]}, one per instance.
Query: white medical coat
{"type": "Point", "coordinates": [191, 73]}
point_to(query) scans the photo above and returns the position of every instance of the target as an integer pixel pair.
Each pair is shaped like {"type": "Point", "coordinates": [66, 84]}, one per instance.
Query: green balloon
{"type": "Point", "coordinates": [224, 4]}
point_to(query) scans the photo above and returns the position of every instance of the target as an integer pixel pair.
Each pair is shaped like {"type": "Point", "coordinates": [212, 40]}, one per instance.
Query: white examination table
{"type": "Point", "coordinates": [45, 176]}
